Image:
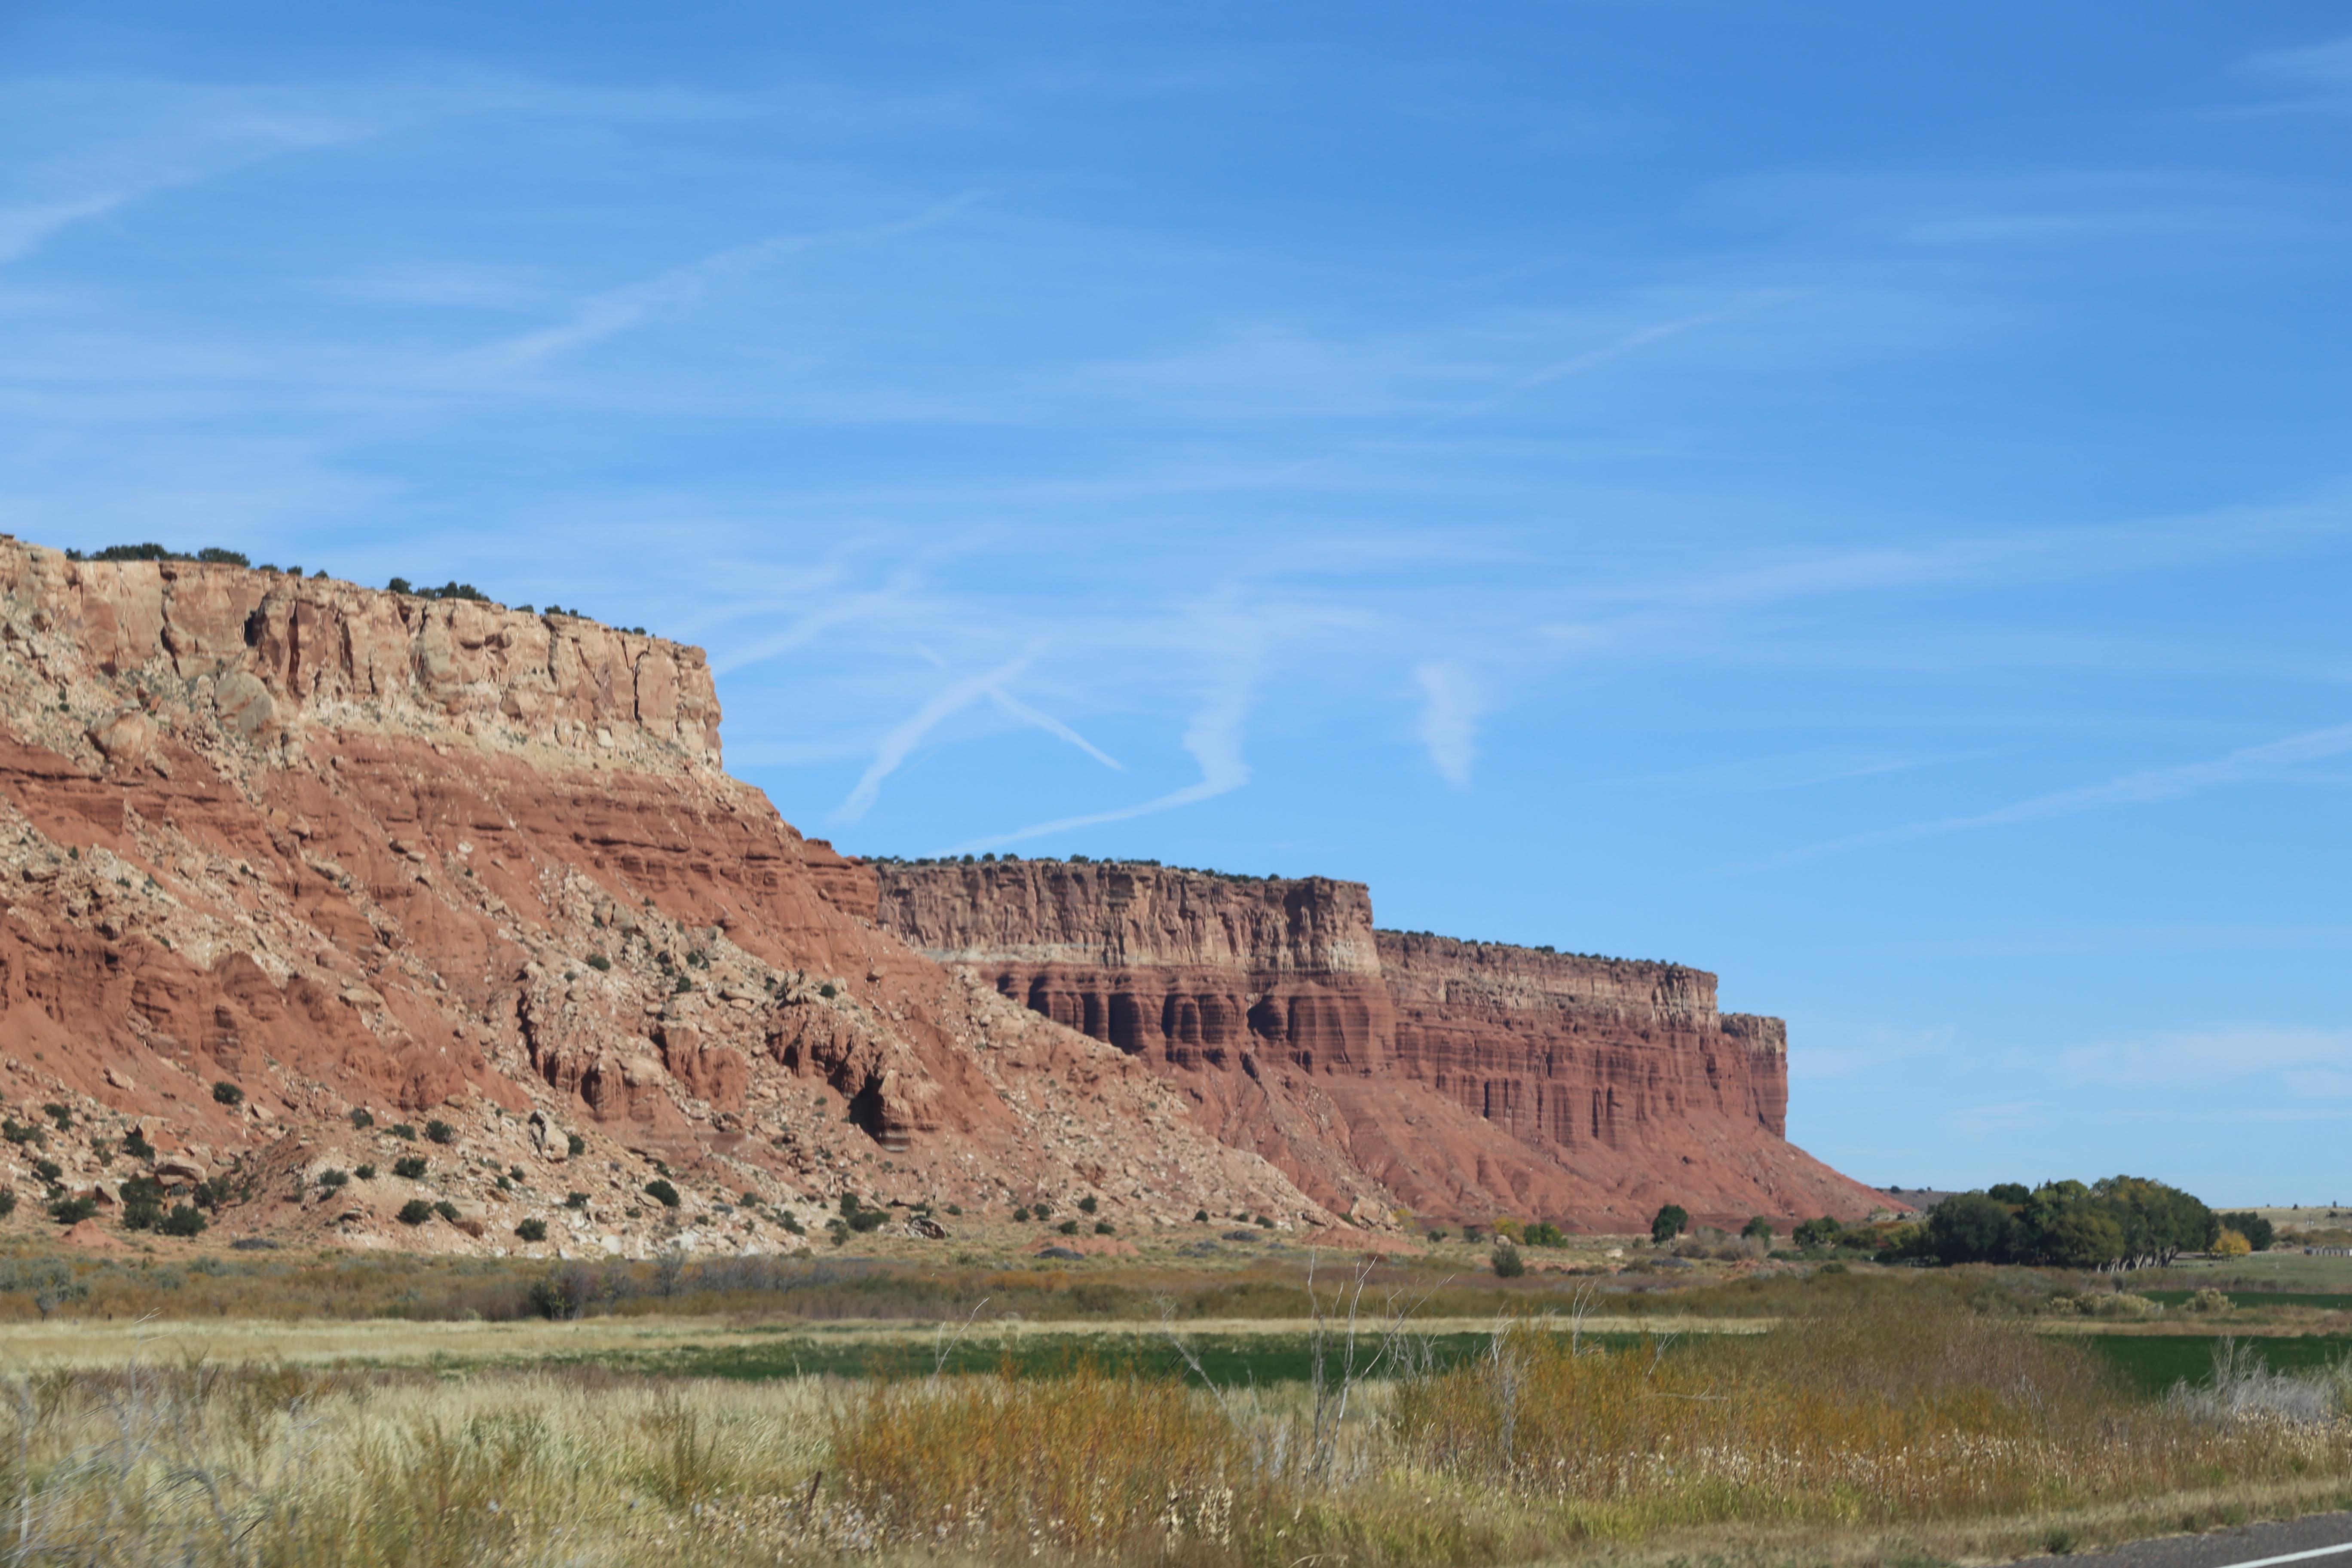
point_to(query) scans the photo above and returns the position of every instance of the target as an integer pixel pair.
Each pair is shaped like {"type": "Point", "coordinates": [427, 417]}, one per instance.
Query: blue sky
{"type": "Point", "coordinates": [1854, 498]}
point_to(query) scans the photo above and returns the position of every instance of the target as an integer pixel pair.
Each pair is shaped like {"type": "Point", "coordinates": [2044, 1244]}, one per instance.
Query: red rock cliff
{"type": "Point", "coordinates": [358, 852]}
{"type": "Point", "coordinates": [1456, 1078]}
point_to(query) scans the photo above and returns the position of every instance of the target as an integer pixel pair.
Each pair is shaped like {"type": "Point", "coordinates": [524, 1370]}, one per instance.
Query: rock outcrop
{"type": "Point", "coordinates": [378, 860]}
{"type": "Point", "coordinates": [1457, 1079]}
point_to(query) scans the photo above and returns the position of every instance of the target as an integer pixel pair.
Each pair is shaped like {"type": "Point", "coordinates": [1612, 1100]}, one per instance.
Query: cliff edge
{"type": "Point", "coordinates": [1379, 1068]}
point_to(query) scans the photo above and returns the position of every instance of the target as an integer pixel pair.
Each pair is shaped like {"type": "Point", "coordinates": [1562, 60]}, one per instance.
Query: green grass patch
{"type": "Point", "coordinates": [2154, 1363]}
{"type": "Point", "coordinates": [2326, 1304]}
{"type": "Point", "coordinates": [1237, 1360]}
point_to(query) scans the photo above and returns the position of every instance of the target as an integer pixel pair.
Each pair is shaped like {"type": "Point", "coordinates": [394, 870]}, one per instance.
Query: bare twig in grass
{"type": "Point", "coordinates": [946, 1347]}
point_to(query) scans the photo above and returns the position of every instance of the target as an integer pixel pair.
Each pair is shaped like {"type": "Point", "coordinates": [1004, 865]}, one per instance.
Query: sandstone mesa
{"type": "Point", "coordinates": [360, 851]}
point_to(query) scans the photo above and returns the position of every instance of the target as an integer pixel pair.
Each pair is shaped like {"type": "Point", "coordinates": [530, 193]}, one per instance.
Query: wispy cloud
{"type": "Point", "coordinates": [2302, 1061]}
{"type": "Point", "coordinates": [836, 608]}
{"type": "Point", "coordinates": [1795, 770]}
{"type": "Point", "coordinates": [2011, 557]}
{"type": "Point", "coordinates": [1214, 741]}
{"type": "Point", "coordinates": [2327, 64]}
{"type": "Point", "coordinates": [1451, 702]}
{"type": "Point", "coordinates": [958, 695]}
{"type": "Point", "coordinates": [2247, 765]}
{"type": "Point", "coordinates": [909, 731]}
{"type": "Point", "coordinates": [1053, 726]}
{"type": "Point", "coordinates": [2010, 1116]}
{"type": "Point", "coordinates": [605, 314]}
{"type": "Point", "coordinates": [169, 136]}
{"type": "Point", "coordinates": [1877, 1051]}
{"type": "Point", "coordinates": [1623, 343]}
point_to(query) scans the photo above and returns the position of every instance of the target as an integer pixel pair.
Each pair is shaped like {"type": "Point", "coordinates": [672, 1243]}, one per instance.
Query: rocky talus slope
{"type": "Point", "coordinates": [1380, 1069]}
{"type": "Point", "coordinates": [382, 862]}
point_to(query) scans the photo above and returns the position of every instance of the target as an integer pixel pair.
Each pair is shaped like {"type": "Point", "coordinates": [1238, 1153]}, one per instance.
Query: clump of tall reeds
{"type": "Point", "coordinates": [204, 1466]}
{"type": "Point", "coordinates": [2243, 1389]}
{"type": "Point", "coordinates": [1899, 1407]}
{"type": "Point", "coordinates": [1088, 1461]}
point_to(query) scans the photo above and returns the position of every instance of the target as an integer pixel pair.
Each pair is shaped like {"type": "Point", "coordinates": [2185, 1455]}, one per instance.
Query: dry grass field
{"type": "Point", "coordinates": [1868, 1418]}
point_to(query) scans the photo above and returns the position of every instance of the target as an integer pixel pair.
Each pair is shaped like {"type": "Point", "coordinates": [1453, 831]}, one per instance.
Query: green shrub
{"type": "Point", "coordinates": [365, 1173]}
{"type": "Point", "coordinates": [575, 1143]}
{"type": "Point", "coordinates": [1509, 1264]}
{"type": "Point", "coordinates": [1543, 1233]}
{"type": "Point", "coordinates": [447, 1210]}
{"type": "Point", "coordinates": [1970, 1227]}
{"type": "Point", "coordinates": [409, 1167]}
{"type": "Point", "coordinates": [2260, 1233]}
{"type": "Point", "coordinates": [72, 1211]}
{"type": "Point", "coordinates": [142, 1204]}
{"type": "Point", "coordinates": [1102, 1228]}
{"type": "Point", "coordinates": [1669, 1223]}
{"type": "Point", "coordinates": [361, 1121]}
{"type": "Point", "coordinates": [16, 1132]}
{"type": "Point", "coordinates": [661, 1192]}
{"type": "Point", "coordinates": [401, 1129]}
{"type": "Point", "coordinates": [599, 962]}
{"type": "Point", "coordinates": [415, 1211]}
{"type": "Point", "coordinates": [8, 1202]}
{"type": "Point", "coordinates": [440, 1132]}
{"type": "Point", "coordinates": [185, 1219]}
{"type": "Point", "coordinates": [1758, 1229]}
{"type": "Point", "coordinates": [1086, 1203]}
{"type": "Point", "coordinates": [791, 1226]}
{"type": "Point", "coordinates": [1200, 1216]}
{"type": "Point", "coordinates": [575, 1200]}
{"type": "Point", "coordinates": [227, 1094]}
{"type": "Point", "coordinates": [1069, 1227]}
{"type": "Point", "coordinates": [1020, 1215]}
{"type": "Point", "coordinates": [532, 1230]}
{"type": "Point", "coordinates": [49, 1171]}
{"type": "Point", "coordinates": [330, 1180]}
{"type": "Point", "coordinates": [59, 1113]}
{"type": "Point", "coordinates": [135, 1145]}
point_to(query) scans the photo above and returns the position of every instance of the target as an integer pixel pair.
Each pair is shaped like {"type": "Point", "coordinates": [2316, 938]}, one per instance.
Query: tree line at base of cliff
{"type": "Point", "coordinates": [2121, 1222]}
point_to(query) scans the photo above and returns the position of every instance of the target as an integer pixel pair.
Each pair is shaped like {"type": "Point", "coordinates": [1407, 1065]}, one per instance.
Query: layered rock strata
{"type": "Point", "coordinates": [1381, 1067]}
{"type": "Point", "coordinates": [380, 861]}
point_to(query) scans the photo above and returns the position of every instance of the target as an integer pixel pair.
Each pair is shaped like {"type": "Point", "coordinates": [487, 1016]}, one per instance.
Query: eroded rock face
{"type": "Point", "coordinates": [355, 851]}
{"type": "Point", "coordinates": [1459, 1079]}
